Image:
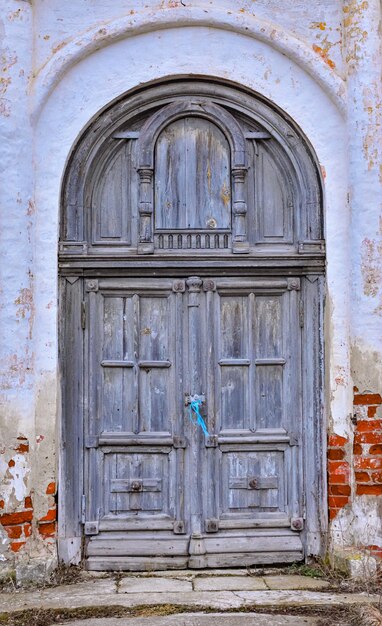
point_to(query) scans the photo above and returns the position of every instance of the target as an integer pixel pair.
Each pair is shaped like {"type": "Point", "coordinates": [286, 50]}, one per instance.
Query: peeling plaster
{"type": "Point", "coordinates": [67, 54]}
{"type": "Point", "coordinates": [14, 486]}
{"type": "Point", "coordinates": [359, 524]}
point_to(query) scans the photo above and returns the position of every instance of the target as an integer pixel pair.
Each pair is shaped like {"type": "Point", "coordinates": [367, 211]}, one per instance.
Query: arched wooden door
{"type": "Point", "coordinates": [191, 255]}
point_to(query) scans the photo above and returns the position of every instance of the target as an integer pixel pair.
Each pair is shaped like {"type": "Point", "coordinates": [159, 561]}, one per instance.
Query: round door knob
{"type": "Point", "coordinates": [253, 483]}
{"type": "Point", "coordinates": [136, 486]}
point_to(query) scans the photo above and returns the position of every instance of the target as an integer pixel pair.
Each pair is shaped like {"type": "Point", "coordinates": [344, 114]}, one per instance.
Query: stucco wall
{"type": "Point", "coordinates": [63, 62]}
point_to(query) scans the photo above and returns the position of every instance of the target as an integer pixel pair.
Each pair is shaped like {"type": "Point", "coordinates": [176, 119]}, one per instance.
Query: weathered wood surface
{"type": "Point", "coordinates": [158, 476]}
{"type": "Point", "coordinates": [195, 174]}
{"type": "Point", "coordinates": [156, 200]}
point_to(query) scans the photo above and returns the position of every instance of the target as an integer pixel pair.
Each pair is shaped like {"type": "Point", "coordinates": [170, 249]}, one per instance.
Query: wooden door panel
{"type": "Point", "coordinates": [253, 483]}
{"type": "Point", "coordinates": [158, 342]}
{"type": "Point", "coordinates": [138, 483]}
{"type": "Point", "coordinates": [192, 177]}
{"type": "Point", "coordinates": [135, 464]}
{"type": "Point", "coordinates": [253, 475]}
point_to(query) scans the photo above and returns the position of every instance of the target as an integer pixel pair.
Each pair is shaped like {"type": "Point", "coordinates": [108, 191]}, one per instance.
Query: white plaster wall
{"type": "Point", "coordinates": [86, 54]}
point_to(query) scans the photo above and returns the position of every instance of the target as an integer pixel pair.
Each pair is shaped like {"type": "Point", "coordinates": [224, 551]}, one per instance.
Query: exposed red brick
{"type": "Point", "coordinates": [51, 489]}
{"type": "Point", "coordinates": [375, 437]}
{"type": "Point", "coordinates": [2, 504]}
{"type": "Point", "coordinates": [376, 477]}
{"type": "Point", "coordinates": [28, 503]}
{"type": "Point", "coordinates": [337, 468]}
{"type": "Point", "coordinates": [50, 516]}
{"type": "Point", "coordinates": [27, 530]}
{"type": "Point", "coordinates": [336, 454]}
{"type": "Point", "coordinates": [332, 513]}
{"type": "Point", "coordinates": [8, 519]}
{"type": "Point", "coordinates": [375, 550]}
{"type": "Point", "coordinates": [371, 411]}
{"type": "Point", "coordinates": [340, 490]}
{"type": "Point", "coordinates": [357, 448]}
{"type": "Point", "coordinates": [362, 477]}
{"type": "Point", "coordinates": [338, 479]}
{"type": "Point", "coordinates": [367, 398]}
{"type": "Point", "coordinates": [370, 490]}
{"type": "Point", "coordinates": [355, 389]}
{"type": "Point", "coordinates": [366, 426]}
{"type": "Point", "coordinates": [48, 530]}
{"type": "Point", "coordinates": [11, 463]}
{"type": "Point", "coordinates": [376, 449]}
{"type": "Point", "coordinates": [16, 545]}
{"type": "Point", "coordinates": [338, 502]}
{"type": "Point", "coordinates": [14, 532]}
{"type": "Point", "coordinates": [22, 447]}
{"type": "Point", "coordinates": [336, 441]}
{"type": "Point", "coordinates": [368, 463]}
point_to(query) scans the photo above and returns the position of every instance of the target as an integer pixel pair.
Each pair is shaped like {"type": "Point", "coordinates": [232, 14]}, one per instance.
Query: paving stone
{"type": "Point", "coordinates": [220, 572]}
{"type": "Point", "coordinates": [199, 619]}
{"type": "Point", "coordinates": [72, 597]}
{"type": "Point", "coordinates": [294, 582]}
{"type": "Point", "coordinates": [229, 583]}
{"type": "Point", "coordinates": [174, 573]}
{"type": "Point", "coordinates": [158, 585]}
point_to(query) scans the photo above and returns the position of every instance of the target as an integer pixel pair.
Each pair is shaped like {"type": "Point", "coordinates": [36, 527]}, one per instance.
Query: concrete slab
{"type": "Point", "coordinates": [295, 582]}
{"type": "Point", "coordinates": [159, 585]}
{"type": "Point", "coordinates": [219, 572]}
{"type": "Point", "coordinates": [72, 597]}
{"type": "Point", "coordinates": [229, 583]}
{"type": "Point", "coordinates": [199, 619]}
{"type": "Point", "coordinates": [174, 573]}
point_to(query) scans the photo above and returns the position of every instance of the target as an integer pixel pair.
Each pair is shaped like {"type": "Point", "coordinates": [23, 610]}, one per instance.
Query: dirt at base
{"type": "Point", "coordinates": [346, 616]}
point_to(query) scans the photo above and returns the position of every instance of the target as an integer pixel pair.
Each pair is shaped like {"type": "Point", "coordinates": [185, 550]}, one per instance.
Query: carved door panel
{"type": "Point", "coordinates": [135, 496]}
{"type": "Point", "coordinates": [253, 492]}
{"type": "Point", "coordinates": [163, 491]}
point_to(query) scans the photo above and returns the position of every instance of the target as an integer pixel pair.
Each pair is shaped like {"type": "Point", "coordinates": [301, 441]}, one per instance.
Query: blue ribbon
{"type": "Point", "coordinates": [197, 420]}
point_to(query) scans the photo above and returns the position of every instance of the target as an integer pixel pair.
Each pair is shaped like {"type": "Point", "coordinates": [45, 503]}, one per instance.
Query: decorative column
{"type": "Point", "coordinates": [146, 209]}
{"type": "Point", "coordinates": [240, 243]}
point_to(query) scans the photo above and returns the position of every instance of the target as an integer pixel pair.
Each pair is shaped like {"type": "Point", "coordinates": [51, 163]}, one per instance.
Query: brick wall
{"type": "Point", "coordinates": [339, 488]}
{"type": "Point", "coordinates": [18, 519]}
{"type": "Point", "coordinates": [364, 457]}
{"type": "Point", "coordinates": [367, 448]}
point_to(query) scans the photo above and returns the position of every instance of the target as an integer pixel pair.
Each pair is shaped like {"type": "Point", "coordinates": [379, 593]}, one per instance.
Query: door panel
{"type": "Point", "coordinates": [135, 455]}
{"type": "Point", "coordinates": [153, 475]}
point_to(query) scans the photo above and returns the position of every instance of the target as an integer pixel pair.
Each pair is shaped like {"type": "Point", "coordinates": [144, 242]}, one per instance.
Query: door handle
{"type": "Point", "coordinates": [199, 398]}
{"type": "Point", "coordinates": [194, 404]}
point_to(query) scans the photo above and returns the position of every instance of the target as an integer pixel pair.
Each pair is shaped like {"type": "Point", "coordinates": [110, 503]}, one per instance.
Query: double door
{"type": "Point", "coordinates": [193, 448]}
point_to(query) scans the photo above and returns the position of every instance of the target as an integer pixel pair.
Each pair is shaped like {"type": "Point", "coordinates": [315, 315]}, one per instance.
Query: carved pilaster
{"type": "Point", "coordinates": [240, 243]}
{"type": "Point", "coordinates": [146, 235]}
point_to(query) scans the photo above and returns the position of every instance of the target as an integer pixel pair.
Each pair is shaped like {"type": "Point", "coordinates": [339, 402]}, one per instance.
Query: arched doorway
{"type": "Point", "coordinates": [192, 263]}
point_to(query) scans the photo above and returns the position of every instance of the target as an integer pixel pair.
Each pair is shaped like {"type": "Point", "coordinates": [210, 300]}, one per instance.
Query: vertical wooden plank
{"type": "Point", "coordinates": [71, 345]}
{"type": "Point", "coordinates": [94, 422]}
{"type": "Point", "coordinates": [192, 186]}
{"type": "Point", "coordinates": [292, 395]}
{"type": "Point", "coordinates": [154, 387]}
{"type": "Point", "coordinates": [314, 434]}
{"type": "Point", "coordinates": [135, 404]}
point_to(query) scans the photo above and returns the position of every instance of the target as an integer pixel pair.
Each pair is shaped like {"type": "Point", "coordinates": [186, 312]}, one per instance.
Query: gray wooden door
{"type": "Point", "coordinates": [161, 492]}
